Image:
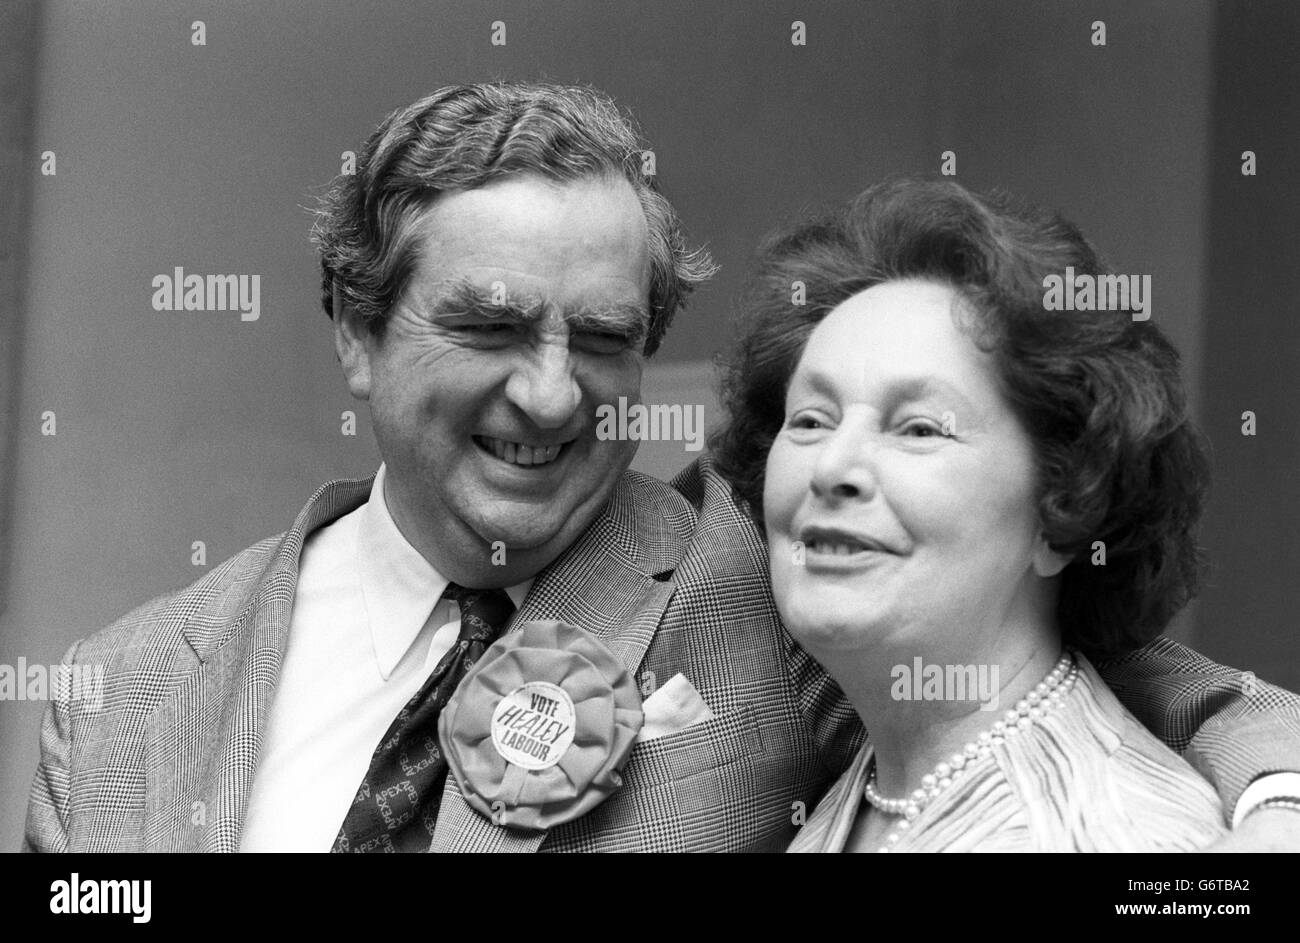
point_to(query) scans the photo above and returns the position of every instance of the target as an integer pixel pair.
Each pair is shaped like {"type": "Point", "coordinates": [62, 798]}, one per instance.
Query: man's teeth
{"type": "Point", "coordinates": [519, 454]}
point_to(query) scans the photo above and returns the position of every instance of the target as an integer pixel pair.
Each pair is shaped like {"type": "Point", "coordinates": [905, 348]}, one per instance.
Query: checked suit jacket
{"type": "Point", "coordinates": [671, 578]}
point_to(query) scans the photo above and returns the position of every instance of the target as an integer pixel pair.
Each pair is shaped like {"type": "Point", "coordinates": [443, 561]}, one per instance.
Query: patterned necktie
{"type": "Point", "coordinates": [397, 805]}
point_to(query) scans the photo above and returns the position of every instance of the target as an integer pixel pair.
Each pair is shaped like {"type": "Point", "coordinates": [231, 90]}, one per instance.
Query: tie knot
{"type": "Point", "coordinates": [483, 612]}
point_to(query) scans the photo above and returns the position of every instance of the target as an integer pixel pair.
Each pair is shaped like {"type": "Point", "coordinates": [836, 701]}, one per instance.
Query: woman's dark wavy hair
{"type": "Point", "coordinates": [1099, 394]}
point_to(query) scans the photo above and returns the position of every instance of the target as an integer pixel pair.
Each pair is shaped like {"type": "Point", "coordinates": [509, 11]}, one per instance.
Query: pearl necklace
{"type": "Point", "coordinates": [1049, 692]}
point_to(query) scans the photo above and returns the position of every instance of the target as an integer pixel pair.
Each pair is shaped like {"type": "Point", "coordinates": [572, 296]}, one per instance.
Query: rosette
{"type": "Point", "coordinates": [539, 728]}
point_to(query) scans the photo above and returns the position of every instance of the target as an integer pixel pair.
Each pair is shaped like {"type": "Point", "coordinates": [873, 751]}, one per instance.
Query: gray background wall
{"type": "Point", "coordinates": [175, 427]}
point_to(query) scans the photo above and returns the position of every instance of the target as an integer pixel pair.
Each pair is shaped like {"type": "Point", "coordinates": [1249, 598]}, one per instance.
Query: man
{"type": "Point", "coordinates": [496, 270]}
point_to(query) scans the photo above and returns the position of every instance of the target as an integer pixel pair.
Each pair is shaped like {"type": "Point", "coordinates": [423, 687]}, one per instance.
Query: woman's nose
{"type": "Point", "coordinates": [544, 387]}
{"type": "Point", "coordinates": [844, 470]}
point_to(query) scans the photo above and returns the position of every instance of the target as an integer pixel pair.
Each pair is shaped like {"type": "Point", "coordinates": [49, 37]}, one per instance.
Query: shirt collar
{"type": "Point", "coordinates": [400, 587]}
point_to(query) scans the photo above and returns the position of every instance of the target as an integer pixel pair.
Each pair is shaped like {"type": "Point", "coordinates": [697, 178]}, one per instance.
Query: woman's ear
{"type": "Point", "coordinates": [1046, 561]}
{"type": "Point", "coordinates": [352, 343]}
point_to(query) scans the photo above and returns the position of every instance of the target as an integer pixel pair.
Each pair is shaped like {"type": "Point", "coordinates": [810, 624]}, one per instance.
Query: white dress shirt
{"type": "Point", "coordinates": [362, 640]}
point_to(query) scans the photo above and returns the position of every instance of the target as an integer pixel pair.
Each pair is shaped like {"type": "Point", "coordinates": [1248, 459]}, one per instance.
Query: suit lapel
{"type": "Point", "coordinates": [202, 743]}
{"type": "Point", "coordinates": [615, 582]}
{"type": "Point", "coordinates": [617, 579]}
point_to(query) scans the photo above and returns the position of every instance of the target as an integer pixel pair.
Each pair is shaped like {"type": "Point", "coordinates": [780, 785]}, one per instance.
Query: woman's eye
{"type": "Point", "coordinates": [924, 429]}
{"type": "Point", "coordinates": [804, 421]}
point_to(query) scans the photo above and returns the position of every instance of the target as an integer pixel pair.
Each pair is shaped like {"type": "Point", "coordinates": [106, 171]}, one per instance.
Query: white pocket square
{"type": "Point", "coordinates": [674, 707]}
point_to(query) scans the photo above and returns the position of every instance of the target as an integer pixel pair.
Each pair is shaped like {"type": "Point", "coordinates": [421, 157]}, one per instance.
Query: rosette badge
{"type": "Point", "coordinates": [539, 728]}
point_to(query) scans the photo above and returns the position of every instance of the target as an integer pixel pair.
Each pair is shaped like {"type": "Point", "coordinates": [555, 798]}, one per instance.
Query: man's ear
{"type": "Point", "coordinates": [352, 343]}
{"type": "Point", "coordinates": [1046, 561]}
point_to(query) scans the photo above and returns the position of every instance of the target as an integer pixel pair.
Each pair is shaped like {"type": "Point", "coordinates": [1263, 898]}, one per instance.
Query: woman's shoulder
{"type": "Point", "coordinates": [1095, 779]}
{"type": "Point", "coordinates": [1087, 776]}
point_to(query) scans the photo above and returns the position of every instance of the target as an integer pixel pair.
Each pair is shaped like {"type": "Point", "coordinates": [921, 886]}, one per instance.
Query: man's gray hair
{"type": "Point", "coordinates": [466, 136]}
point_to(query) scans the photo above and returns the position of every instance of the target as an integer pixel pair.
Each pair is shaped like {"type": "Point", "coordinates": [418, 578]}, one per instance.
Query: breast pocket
{"type": "Point", "coordinates": [722, 740]}
{"type": "Point", "coordinates": [708, 787]}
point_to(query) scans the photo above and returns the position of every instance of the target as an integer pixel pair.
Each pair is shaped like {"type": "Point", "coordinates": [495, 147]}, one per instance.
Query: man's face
{"type": "Point", "coordinates": [527, 309]}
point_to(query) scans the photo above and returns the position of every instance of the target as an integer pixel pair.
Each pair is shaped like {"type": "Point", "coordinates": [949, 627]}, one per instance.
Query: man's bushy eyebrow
{"type": "Point", "coordinates": [630, 320]}
{"type": "Point", "coordinates": [464, 298]}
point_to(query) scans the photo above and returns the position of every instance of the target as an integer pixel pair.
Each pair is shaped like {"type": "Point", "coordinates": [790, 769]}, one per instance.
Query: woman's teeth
{"type": "Point", "coordinates": [836, 549]}
{"type": "Point", "coordinates": [519, 454]}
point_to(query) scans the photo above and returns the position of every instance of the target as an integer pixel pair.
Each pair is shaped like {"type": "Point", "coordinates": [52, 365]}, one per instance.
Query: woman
{"type": "Point", "coordinates": [967, 497]}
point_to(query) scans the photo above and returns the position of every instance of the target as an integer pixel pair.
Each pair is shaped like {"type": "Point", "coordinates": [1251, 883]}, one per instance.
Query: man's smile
{"type": "Point", "coordinates": [521, 454]}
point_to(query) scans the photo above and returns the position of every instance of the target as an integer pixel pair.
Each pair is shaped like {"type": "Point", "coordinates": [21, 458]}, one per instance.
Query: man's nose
{"type": "Point", "coordinates": [845, 467]}
{"type": "Point", "coordinates": [544, 386]}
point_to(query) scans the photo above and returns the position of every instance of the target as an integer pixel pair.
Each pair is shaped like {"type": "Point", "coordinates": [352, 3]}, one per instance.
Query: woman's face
{"type": "Point", "coordinates": [900, 498]}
